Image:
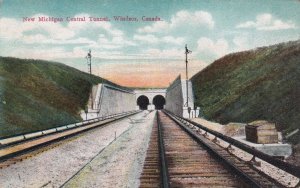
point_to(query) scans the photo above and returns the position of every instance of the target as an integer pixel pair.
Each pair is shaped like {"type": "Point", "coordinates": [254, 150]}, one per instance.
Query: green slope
{"type": "Point", "coordinates": [36, 95]}
{"type": "Point", "coordinates": [258, 84]}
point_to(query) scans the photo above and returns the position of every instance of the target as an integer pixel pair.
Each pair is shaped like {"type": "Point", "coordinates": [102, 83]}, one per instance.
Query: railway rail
{"type": "Point", "coordinates": [181, 155]}
{"type": "Point", "coordinates": [15, 149]}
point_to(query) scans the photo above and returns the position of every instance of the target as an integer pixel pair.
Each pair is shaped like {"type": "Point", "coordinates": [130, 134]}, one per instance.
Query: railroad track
{"type": "Point", "coordinates": [16, 152]}
{"type": "Point", "coordinates": [178, 156]}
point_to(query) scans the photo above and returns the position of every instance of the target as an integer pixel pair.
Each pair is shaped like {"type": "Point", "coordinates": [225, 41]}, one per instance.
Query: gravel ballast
{"type": "Point", "coordinates": [56, 166]}
{"type": "Point", "coordinates": [121, 163]}
{"type": "Point", "coordinates": [281, 176]}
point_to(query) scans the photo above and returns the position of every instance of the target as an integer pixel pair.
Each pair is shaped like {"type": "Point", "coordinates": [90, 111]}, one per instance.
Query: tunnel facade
{"type": "Point", "coordinates": [153, 98]}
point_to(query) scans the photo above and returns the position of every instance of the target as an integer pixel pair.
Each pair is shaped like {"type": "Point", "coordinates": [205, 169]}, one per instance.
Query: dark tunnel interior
{"type": "Point", "coordinates": [143, 102]}
{"type": "Point", "coordinates": [159, 102]}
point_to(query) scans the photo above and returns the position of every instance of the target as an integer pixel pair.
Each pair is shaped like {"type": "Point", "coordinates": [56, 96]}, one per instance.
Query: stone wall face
{"type": "Point", "coordinates": [174, 98]}
{"type": "Point", "coordinates": [113, 101]}
{"type": "Point", "coordinates": [108, 100]}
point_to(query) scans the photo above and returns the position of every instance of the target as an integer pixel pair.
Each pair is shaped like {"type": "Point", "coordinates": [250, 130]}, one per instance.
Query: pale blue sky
{"type": "Point", "coordinates": [211, 28]}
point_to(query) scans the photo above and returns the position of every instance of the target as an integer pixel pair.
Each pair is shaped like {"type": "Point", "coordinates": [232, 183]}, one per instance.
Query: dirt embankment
{"type": "Point", "coordinates": [262, 83]}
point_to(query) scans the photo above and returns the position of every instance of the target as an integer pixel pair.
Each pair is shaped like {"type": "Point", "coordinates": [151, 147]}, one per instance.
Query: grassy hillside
{"type": "Point", "coordinates": [258, 84]}
{"type": "Point", "coordinates": [36, 95]}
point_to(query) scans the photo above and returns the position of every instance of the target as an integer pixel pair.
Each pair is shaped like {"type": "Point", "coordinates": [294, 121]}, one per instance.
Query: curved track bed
{"type": "Point", "coordinates": [17, 152]}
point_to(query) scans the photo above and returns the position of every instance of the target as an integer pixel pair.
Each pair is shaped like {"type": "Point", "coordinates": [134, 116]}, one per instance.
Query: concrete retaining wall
{"type": "Point", "coordinates": [108, 100]}
{"type": "Point", "coordinates": [115, 100]}
{"type": "Point", "coordinates": [176, 99]}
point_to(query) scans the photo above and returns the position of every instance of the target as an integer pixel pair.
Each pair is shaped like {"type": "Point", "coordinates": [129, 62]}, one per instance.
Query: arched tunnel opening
{"type": "Point", "coordinates": [143, 102]}
{"type": "Point", "coordinates": [159, 102]}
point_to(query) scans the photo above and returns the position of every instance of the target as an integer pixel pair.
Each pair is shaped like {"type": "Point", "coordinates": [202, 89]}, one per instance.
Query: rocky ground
{"type": "Point", "coordinates": [238, 129]}
{"type": "Point", "coordinates": [295, 157]}
{"type": "Point", "coordinates": [231, 129]}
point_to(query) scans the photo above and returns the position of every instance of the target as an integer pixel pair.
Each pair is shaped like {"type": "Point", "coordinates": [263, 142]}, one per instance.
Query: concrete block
{"type": "Point", "coordinates": [61, 128]}
{"type": "Point", "coordinates": [85, 122]}
{"type": "Point", "coordinates": [71, 126]}
{"type": "Point", "coordinates": [261, 132]}
{"type": "Point", "coordinates": [193, 113]}
{"type": "Point", "coordinates": [11, 140]}
{"type": "Point", "coordinates": [49, 131]}
{"type": "Point", "coordinates": [279, 150]}
{"type": "Point", "coordinates": [32, 135]}
{"type": "Point", "coordinates": [78, 124]}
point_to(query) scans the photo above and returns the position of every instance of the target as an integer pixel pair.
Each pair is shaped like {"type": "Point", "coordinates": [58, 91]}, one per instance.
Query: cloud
{"type": "Point", "coordinates": [268, 23]}
{"type": "Point", "coordinates": [12, 29]}
{"type": "Point", "coordinates": [50, 53]}
{"type": "Point", "coordinates": [182, 18]}
{"type": "Point", "coordinates": [115, 42]}
{"type": "Point", "coordinates": [155, 27]}
{"type": "Point", "coordinates": [146, 38]}
{"type": "Point", "coordinates": [58, 34]}
{"type": "Point", "coordinates": [218, 48]}
{"type": "Point", "coordinates": [241, 43]}
{"type": "Point", "coordinates": [54, 30]}
{"type": "Point", "coordinates": [82, 26]}
{"type": "Point", "coordinates": [173, 40]}
{"type": "Point", "coordinates": [39, 53]}
{"type": "Point", "coordinates": [163, 54]}
{"type": "Point", "coordinates": [15, 29]}
{"type": "Point", "coordinates": [197, 18]}
{"type": "Point", "coordinates": [152, 39]}
{"type": "Point", "coordinates": [30, 39]}
{"type": "Point", "coordinates": [42, 39]}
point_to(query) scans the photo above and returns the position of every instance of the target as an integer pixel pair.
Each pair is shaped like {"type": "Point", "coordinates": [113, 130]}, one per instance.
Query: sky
{"type": "Point", "coordinates": [137, 52]}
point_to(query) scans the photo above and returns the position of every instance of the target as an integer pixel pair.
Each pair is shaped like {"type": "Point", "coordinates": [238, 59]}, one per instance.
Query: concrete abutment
{"type": "Point", "coordinates": [106, 100]}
